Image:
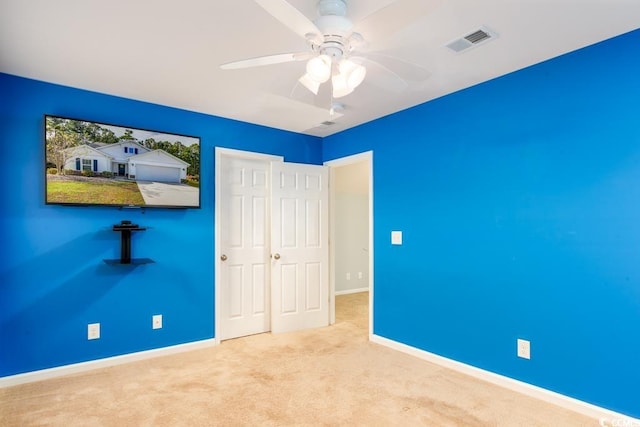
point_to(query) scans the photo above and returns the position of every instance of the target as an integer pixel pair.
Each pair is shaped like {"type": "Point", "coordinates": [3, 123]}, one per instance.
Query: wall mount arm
{"type": "Point", "coordinates": [126, 228]}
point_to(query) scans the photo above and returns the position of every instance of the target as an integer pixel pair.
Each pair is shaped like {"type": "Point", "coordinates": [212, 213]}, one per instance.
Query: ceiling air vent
{"type": "Point", "coordinates": [473, 39]}
{"type": "Point", "coordinates": [477, 37]}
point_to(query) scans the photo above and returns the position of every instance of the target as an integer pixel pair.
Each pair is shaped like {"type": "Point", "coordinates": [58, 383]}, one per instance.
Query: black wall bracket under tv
{"type": "Point", "coordinates": [126, 228]}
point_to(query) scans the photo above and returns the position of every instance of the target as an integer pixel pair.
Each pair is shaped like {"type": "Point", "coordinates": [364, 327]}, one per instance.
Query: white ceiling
{"type": "Point", "coordinates": [168, 52]}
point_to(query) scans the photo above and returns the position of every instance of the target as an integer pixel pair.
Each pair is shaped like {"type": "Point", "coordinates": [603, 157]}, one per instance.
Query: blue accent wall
{"type": "Point", "coordinates": [53, 281]}
{"type": "Point", "coordinates": [519, 200]}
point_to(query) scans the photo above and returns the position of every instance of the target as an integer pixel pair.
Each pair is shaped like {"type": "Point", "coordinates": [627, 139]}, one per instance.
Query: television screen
{"type": "Point", "coordinates": [90, 163]}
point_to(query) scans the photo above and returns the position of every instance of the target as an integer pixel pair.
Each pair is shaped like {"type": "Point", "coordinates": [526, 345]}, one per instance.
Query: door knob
{"type": "Point", "coordinates": [223, 257]}
{"type": "Point", "coordinates": [276, 256]}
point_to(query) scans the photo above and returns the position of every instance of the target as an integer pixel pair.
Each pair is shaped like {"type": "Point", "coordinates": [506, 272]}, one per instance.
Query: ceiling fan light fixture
{"type": "Point", "coordinates": [353, 73]}
{"type": "Point", "coordinates": [340, 87]}
{"type": "Point", "coordinates": [319, 68]}
{"type": "Point", "coordinates": [310, 83]}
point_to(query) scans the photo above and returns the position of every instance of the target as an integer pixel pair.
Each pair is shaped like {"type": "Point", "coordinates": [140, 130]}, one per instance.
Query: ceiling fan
{"type": "Point", "coordinates": [339, 51]}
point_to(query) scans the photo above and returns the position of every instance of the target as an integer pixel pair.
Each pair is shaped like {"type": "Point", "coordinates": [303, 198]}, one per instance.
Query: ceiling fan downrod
{"type": "Point", "coordinates": [332, 7]}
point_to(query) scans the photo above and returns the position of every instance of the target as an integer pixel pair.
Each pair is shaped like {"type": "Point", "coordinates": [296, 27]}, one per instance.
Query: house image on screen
{"type": "Point", "coordinates": [127, 159]}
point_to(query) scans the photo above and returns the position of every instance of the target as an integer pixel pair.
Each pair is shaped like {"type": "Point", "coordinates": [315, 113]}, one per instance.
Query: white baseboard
{"type": "Point", "coordinates": [45, 374]}
{"type": "Point", "coordinates": [605, 417]}
{"type": "Point", "coordinates": [352, 291]}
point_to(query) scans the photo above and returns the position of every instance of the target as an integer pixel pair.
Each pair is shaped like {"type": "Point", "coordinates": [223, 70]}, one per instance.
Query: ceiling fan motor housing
{"type": "Point", "coordinates": [334, 47]}
{"type": "Point", "coordinates": [335, 27]}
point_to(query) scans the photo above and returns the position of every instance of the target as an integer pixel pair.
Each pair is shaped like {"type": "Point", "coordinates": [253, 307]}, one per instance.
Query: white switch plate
{"type": "Point", "coordinates": [524, 349]}
{"type": "Point", "coordinates": [93, 331]}
{"type": "Point", "coordinates": [396, 237]}
{"type": "Point", "coordinates": [156, 321]}
{"type": "Point", "coordinates": [348, 276]}
{"type": "Point", "coordinates": [359, 274]}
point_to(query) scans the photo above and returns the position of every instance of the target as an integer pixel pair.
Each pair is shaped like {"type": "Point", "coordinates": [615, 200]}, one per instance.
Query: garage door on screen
{"type": "Point", "coordinates": [157, 173]}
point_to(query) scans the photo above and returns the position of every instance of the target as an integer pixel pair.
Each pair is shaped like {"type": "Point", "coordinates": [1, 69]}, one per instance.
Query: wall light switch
{"type": "Point", "coordinates": [524, 349]}
{"type": "Point", "coordinates": [396, 237]}
{"type": "Point", "coordinates": [156, 321]}
{"type": "Point", "coordinates": [93, 331]}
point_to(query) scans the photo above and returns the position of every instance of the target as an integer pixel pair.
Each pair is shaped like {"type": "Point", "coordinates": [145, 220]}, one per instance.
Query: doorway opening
{"type": "Point", "coordinates": [351, 248]}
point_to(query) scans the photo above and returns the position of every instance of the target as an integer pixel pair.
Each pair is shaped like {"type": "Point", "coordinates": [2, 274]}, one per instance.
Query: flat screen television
{"type": "Point", "coordinates": [97, 164]}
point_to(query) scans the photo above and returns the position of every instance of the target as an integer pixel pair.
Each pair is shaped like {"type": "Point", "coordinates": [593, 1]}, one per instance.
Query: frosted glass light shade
{"type": "Point", "coordinates": [340, 87]}
{"type": "Point", "coordinates": [319, 68]}
{"type": "Point", "coordinates": [353, 73]}
{"type": "Point", "coordinates": [310, 83]}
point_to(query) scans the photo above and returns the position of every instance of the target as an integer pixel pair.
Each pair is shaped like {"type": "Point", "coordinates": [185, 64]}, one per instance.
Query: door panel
{"type": "Point", "coordinates": [288, 231]}
{"type": "Point", "coordinates": [314, 286]}
{"type": "Point", "coordinates": [313, 211]}
{"type": "Point", "coordinates": [259, 223]}
{"type": "Point", "coordinates": [235, 222]}
{"type": "Point", "coordinates": [235, 301]}
{"type": "Point", "coordinates": [300, 279]}
{"type": "Point", "coordinates": [289, 294]}
{"type": "Point", "coordinates": [244, 233]}
{"type": "Point", "coordinates": [259, 289]}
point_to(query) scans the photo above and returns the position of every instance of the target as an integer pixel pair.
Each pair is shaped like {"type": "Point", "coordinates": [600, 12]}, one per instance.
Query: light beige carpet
{"type": "Point", "coordinates": [324, 377]}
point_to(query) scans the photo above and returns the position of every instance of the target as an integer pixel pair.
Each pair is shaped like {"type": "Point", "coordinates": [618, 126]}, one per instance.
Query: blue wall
{"type": "Point", "coordinates": [519, 200]}
{"type": "Point", "coordinates": [520, 205]}
{"type": "Point", "coordinates": [53, 281]}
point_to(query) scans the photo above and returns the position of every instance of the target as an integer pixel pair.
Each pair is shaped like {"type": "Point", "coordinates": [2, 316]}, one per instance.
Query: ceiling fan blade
{"type": "Point", "coordinates": [382, 77]}
{"type": "Point", "coordinates": [403, 69]}
{"type": "Point", "coordinates": [289, 16]}
{"type": "Point", "coordinates": [386, 21]}
{"type": "Point", "coordinates": [266, 60]}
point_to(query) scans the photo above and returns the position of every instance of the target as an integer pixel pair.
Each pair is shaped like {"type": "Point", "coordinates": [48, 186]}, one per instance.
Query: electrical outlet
{"type": "Point", "coordinates": [524, 349]}
{"type": "Point", "coordinates": [360, 275]}
{"type": "Point", "coordinates": [93, 331]}
{"type": "Point", "coordinates": [156, 321]}
{"type": "Point", "coordinates": [348, 276]}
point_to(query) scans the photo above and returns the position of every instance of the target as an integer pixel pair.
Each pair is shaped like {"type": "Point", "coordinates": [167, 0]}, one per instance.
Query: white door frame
{"type": "Point", "coordinates": [219, 153]}
{"type": "Point", "coordinates": [345, 161]}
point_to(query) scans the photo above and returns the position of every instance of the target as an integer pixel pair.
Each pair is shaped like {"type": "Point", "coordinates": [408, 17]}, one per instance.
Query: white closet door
{"type": "Point", "coordinates": [299, 247]}
{"type": "Point", "coordinates": [244, 247]}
